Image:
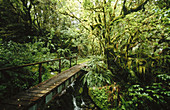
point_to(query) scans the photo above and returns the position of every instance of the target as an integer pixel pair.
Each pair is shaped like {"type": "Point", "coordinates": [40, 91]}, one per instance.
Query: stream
{"type": "Point", "coordinates": [75, 97]}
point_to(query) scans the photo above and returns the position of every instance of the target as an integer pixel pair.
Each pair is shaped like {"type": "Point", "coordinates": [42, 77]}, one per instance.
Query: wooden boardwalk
{"type": "Point", "coordinates": [38, 96]}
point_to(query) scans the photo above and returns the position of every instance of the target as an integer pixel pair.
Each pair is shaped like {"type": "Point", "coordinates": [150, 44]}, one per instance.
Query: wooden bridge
{"type": "Point", "coordinates": [38, 96]}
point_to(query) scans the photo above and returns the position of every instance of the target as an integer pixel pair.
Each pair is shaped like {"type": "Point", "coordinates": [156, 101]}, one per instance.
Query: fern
{"type": "Point", "coordinates": [98, 73]}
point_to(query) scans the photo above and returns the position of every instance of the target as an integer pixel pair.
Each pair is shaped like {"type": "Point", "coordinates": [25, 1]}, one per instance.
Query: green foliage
{"type": "Point", "coordinates": [155, 96]}
{"type": "Point", "coordinates": [81, 43]}
{"type": "Point", "coordinates": [164, 78]}
{"type": "Point", "coordinates": [15, 54]}
{"type": "Point", "coordinates": [162, 3]}
{"type": "Point", "coordinates": [136, 49]}
{"type": "Point", "coordinates": [98, 73]}
{"type": "Point", "coordinates": [32, 31]}
{"type": "Point", "coordinates": [100, 97]}
{"type": "Point", "coordinates": [16, 21]}
{"type": "Point", "coordinates": [64, 52]}
{"type": "Point", "coordinates": [141, 44]}
{"type": "Point", "coordinates": [26, 21]}
{"type": "Point", "coordinates": [132, 36]}
{"type": "Point", "coordinates": [106, 97]}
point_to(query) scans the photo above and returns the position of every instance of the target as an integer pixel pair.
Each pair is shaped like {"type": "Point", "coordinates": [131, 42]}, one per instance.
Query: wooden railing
{"type": "Point", "coordinates": [40, 65]}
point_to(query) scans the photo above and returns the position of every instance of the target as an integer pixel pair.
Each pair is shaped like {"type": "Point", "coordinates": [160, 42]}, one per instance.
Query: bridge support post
{"type": "Point", "coordinates": [40, 72]}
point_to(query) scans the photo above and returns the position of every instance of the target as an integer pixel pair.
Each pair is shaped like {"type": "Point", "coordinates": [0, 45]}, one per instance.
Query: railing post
{"type": "Point", "coordinates": [40, 72]}
{"type": "Point", "coordinates": [59, 65]}
{"type": "Point", "coordinates": [70, 61]}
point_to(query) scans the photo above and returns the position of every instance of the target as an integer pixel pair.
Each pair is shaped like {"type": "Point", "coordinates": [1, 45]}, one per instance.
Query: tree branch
{"type": "Point", "coordinates": [139, 7]}
{"type": "Point", "coordinates": [125, 10]}
{"type": "Point", "coordinates": [115, 5]}
{"type": "Point", "coordinates": [135, 9]}
{"type": "Point", "coordinates": [73, 16]}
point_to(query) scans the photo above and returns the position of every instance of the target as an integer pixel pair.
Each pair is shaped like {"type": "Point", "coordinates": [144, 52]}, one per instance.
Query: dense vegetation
{"type": "Point", "coordinates": [127, 39]}
{"type": "Point", "coordinates": [32, 32]}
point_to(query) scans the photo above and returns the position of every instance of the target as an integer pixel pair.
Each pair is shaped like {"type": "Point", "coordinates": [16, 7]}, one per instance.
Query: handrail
{"type": "Point", "coordinates": [40, 65]}
{"type": "Point", "coordinates": [30, 64]}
